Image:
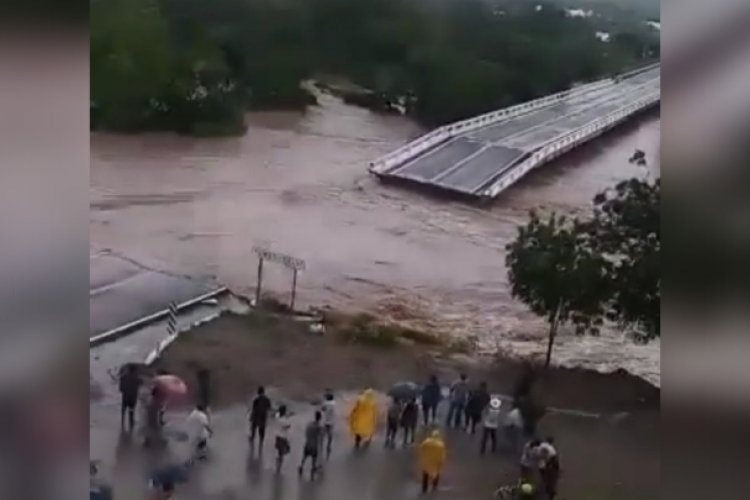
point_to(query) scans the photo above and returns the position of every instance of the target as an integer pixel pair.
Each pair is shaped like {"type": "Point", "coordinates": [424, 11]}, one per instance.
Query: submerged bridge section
{"type": "Point", "coordinates": [484, 155]}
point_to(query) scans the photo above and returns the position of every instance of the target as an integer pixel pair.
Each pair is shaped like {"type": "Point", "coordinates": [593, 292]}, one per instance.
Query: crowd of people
{"type": "Point", "coordinates": [470, 408]}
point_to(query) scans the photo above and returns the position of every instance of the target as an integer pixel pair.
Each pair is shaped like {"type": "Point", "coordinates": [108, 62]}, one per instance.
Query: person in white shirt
{"type": "Point", "coordinates": [199, 430]}
{"type": "Point", "coordinates": [513, 427]}
{"type": "Point", "coordinates": [490, 424]}
{"type": "Point", "coordinates": [328, 410]}
{"type": "Point", "coordinates": [282, 437]}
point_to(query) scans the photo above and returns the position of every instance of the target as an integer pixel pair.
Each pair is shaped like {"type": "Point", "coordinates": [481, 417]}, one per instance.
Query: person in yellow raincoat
{"type": "Point", "coordinates": [432, 455]}
{"type": "Point", "coordinates": [363, 418]}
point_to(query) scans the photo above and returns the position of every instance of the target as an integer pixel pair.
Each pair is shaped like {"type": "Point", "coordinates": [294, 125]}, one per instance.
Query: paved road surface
{"type": "Point", "coordinates": [600, 460]}
{"type": "Point", "coordinates": [122, 290]}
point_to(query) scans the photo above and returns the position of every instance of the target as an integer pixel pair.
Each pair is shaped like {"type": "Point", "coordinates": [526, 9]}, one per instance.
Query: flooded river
{"type": "Point", "coordinates": [298, 184]}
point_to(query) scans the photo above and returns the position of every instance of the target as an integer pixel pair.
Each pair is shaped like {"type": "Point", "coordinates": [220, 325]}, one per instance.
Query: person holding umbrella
{"type": "Point", "coordinates": [164, 388]}
{"type": "Point", "coordinates": [432, 456]}
{"type": "Point", "coordinates": [363, 418]}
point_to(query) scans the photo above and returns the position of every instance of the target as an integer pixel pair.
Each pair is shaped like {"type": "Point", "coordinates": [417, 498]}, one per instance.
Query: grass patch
{"type": "Point", "coordinates": [364, 328]}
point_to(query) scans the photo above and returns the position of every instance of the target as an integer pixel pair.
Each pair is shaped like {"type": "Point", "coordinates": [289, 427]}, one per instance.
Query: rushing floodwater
{"type": "Point", "coordinates": [298, 184]}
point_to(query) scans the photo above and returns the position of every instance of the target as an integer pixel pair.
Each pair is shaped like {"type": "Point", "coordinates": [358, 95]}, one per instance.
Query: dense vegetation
{"type": "Point", "coordinates": [648, 9]}
{"type": "Point", "coordinates": [195, 66]}
{"type": "Point", "coordinates": [603, 267]}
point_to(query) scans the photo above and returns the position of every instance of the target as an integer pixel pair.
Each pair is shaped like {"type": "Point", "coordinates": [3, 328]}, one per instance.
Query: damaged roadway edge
{"type": "Point", "coordinates": [154, 355]}
{"type": "Point", "coordinates": [127, 328]}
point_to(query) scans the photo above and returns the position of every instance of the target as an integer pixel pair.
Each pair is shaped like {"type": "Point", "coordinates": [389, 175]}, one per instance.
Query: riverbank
{"type": "Point", "coordinates": [245, 351]}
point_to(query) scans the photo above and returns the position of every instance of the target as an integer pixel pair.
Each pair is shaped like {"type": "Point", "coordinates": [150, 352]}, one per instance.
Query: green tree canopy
{"type": "Point", "coordinates": [607, 266]}
{"type": "Point", "coordinates": [627, 229]}
{"type": "Point", "coordinates": [176, 64]}
{"type": "Point", "coordinates": [554, 269]}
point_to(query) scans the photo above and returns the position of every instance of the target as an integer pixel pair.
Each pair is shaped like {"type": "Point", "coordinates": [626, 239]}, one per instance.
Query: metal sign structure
{"type": "Point", "coordinates": [293, 263]}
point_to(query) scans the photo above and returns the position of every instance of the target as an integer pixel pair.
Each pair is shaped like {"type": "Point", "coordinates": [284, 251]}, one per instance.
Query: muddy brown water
{"type": "Point", "coordinates": [298, 183]}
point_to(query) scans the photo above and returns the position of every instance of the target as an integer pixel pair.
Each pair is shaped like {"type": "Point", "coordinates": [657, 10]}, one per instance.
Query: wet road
{"type": "Point", "coordinates": [122, 290]}
{"type": "Point", "coordinates": [298, 184]}
{"type": "Point", "coordinates": [600, 460]}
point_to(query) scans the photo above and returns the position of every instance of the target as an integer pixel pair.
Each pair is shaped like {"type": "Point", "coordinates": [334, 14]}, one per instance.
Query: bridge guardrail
{"type": "Point", "coordinates": [440, 134]}
{"type": "Point", "coordinates": [638, 71]}
{"type": "Point", "coordinates": [502, 114]}
{"type": "Point", "coordinates": [565, 142]}
{"type": "Point", "coordinates": [412, 149]}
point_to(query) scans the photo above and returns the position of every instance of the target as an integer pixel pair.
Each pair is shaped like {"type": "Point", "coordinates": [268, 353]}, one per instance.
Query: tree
{"type": "Point", "coordinates": [446, 60]}
{"type": "Point", "coordinates": [130, 61]}
{"type": "Point", "coordinates": [555, 270]}
{"type": "Point", "coordinates": [627, 229]}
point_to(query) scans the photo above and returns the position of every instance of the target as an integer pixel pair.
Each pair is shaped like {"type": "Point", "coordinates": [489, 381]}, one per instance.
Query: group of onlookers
{"type": "Point", "coordinates": [470, 408]}
{"type": "Point", "coordinates": [474, 408]}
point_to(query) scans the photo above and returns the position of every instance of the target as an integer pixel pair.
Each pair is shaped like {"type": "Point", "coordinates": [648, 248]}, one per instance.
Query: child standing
{"type": "Point", "coordinates": [199, 430]}
{"type": "Point", "coordinates": [409, 419]}
{"type": "Point", "coordinates": [282, 437]}
{"type": "Point", "coordinates": [329, 416]}
{"type": "Point", "coordinates": [393, 419]}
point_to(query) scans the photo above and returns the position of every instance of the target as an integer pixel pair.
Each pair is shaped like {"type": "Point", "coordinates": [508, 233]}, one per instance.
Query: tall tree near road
{"type": "Point", "coordinates": [554, 268]}
{"type": "Point", "coordinates": [627, 229]}
{"type": "Point", "coordinates": [607, 266]}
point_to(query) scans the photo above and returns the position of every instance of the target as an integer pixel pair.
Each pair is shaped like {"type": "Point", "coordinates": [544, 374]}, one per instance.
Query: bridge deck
{"type": "Point", "coordinates": [468, 161]}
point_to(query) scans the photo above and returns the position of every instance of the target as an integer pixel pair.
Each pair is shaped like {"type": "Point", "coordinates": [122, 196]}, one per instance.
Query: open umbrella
{"type": "Point", "coordinates": [171, 386]}
{"type": "Point", "coordinates": [404, 390]}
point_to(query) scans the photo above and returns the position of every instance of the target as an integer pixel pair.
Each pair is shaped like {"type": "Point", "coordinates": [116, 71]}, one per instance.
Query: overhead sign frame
{"type": "Point", "coordinates": [293, 263]}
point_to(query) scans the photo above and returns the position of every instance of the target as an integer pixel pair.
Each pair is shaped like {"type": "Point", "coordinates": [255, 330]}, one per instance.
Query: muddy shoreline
{"type": "Point", "coordinates": [243, 352]}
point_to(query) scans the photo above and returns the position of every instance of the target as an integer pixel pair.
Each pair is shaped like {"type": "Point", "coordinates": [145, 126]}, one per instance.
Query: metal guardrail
{"type": "Point", "coordinates": [637, 71]}
{"type": "Point", "coordinates": [497, 175]}
{"type": "Point", "coordinates": [481, 121]}
{"type": "Point", "coordinates": [440, 134]}
{"type": "Point", "coordinates": [127, 328]}
{"type": "Point", "coordinates": [564, 143]}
